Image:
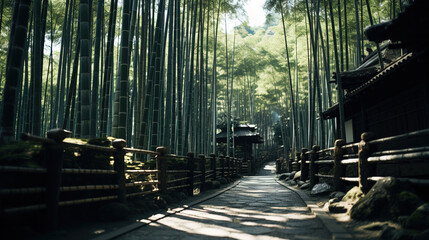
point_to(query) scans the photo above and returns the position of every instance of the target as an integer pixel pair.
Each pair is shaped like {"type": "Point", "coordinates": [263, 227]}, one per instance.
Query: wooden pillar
{"type": "Point", "coordinates": [119, 166]}
{"type": "Point", "coordinates": [339, 169]}
{"type": "Point", "coordinates": [213, 165]}
{"type": "Point", "coordinates": [365, 169]}
{"type": "Point", "coordinates": [304, 164]}
{"type": "Point", "coordinates": [54, 165]}
{"type": "Point", "coordinates": [161, 165]}
{"type": "Point", "coordinates": [190, 156]}
{"type": "Point", "coordinates": [203, 171]}
{"type": "Point", "coordinates": [314, 168]}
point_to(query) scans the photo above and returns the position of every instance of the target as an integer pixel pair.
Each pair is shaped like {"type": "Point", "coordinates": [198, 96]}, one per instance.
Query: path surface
{"type": "Point", "coordinates": [257, 208]}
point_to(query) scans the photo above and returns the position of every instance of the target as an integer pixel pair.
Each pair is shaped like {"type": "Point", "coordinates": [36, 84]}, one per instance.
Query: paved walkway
{"type": "Point", "coordinates": [257, 208]}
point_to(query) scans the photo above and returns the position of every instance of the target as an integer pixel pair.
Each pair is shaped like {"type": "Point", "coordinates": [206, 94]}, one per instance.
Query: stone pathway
{"type": "Point", "coordinates": [257, 208]}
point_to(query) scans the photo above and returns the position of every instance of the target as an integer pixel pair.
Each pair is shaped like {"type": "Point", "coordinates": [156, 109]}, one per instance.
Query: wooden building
{"type": "Point", "coordinates": [391, 99]}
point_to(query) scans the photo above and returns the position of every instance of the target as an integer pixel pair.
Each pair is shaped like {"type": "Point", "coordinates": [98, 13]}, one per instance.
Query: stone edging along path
{"type": "Point", "coordinates": [156, 217]}
{"type": "Point", "coordinates": [337, 231]}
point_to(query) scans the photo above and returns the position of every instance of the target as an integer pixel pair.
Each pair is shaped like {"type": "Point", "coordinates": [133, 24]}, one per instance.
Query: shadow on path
{"type": "Point", "coordinates": [257, 208]}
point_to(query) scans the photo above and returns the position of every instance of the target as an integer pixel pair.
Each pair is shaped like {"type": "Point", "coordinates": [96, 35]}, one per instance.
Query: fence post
{"type": "Point", "coordinates": [119, 166]}
{"type": "Point", "coordinates": [190, 156]}
{"type": "Point", "coordinates": [296, 162]}
{"type": "Point", "coordinates": [54, 164]}
{"type": "Point", "coordinates": [365, 169]}
{"type": "Point", "coordinates": [222, 165]}
{"type": "Point", "coordinates": [213, 165]}
{"type": "Point", "coordinates": [240, 165]}
{"type": "Point", "coordinates": [236, 166]}
{"type": "Point", "coordinates": [161, 165]}
{"type": "Point", "coordinates": [339, 169]}
{"type": "Point", "coordinates": [203, 171]}
{"type": "Point", "coordinates": [314, 168]}
{"type": "Point", "coordinates": [228, 166]}
{"type": "Point", "coordinates": [304, 164]}
{"type": "Point", "coordinates": [249, 167]}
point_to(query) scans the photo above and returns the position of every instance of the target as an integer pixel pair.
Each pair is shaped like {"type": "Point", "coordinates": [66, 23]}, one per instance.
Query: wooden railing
{"type": "Point", "coordinates": [118, 183]}
{"type": "Point", "coordinates": [405, 156]}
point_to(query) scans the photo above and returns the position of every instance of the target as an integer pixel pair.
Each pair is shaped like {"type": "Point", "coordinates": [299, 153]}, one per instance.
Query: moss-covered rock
{"type": "Point", "coordinates": [405, 203]}
{"type": "Point", "coordinates": [419, 219]}
{"type": "Point", "coordinates": [216, 184]}
{"type": "Point", "coordinates": [223, 181]}
{"type": "Point", "coordinates": [353, 195]}
{"type": "Point", "coordinates": [387, 199]}
{"type": "Point", "coordinates": [23, 154]}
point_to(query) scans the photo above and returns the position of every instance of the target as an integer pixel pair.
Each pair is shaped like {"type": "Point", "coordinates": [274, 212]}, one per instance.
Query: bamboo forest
{"type": "Point", "coordinates": [174, 73]}
{"type": "Point", "coordinates": [214, 119]}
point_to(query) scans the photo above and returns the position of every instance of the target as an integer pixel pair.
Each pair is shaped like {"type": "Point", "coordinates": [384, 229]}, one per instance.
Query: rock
{"type": "Point", "coordinates": [419, 219]}
{"type": "Point", "coordinates": [320, 188]}
{"type": "Point", "coordinates": [353, 195]}
{"type": "Point", "coordinates": [300, 183]}
{"type": "Point", "coordinates": [337, 195]}
{"type": "Point", "coordinates": [305, 186]}
{"type": "Point", "coordinates": [284, 176]}
{"type": "Point", "coordinates": [297, 176]}
{"type": "Point", "coordinates": [113, 212]}
{"type": "Point", "coordinates": [376, 226]}
{"type": "Point", "coordinates": [390, 233]}
{"type": "Point", "coordinates": [337, 207]}
{"type": "Point", "coordinates": [216, 184]}
{"type": "Point", "coordinates": [291, 182]}
{"type": "Point", "coordinates": [422, 236]}
{"type": "Point", "coordinates": [381, 200]}
{"type": "Point", "coordinates": [223, 181]}
{"type": "Point", "coordinates": [405, 203]}
{"type": "Point", "coordinates": [402, 220]}
{"type": "Point", "coordinates": [292, 175]}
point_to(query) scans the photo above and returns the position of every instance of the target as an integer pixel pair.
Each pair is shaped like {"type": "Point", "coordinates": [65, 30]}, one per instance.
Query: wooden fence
{"type": "Point", "coordinates": [119, 183]}
{"type": "Point", "coordinates": [404, 156]}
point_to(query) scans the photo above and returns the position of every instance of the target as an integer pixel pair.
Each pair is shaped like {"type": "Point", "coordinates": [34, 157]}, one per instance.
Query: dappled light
{"type": "Point", "coordinates": [258, 208]}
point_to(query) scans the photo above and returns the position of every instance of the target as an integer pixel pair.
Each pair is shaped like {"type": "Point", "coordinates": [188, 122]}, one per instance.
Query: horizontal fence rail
{"type": "Point", "coordinates": [368, 158]}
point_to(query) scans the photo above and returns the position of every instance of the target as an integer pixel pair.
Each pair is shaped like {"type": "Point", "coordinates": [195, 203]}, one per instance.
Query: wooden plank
{"type": "Point", "coordinates": [396, 157]}
{"type": "Point", "coordinates": [22, 169]}
{"type": "Point", "coordinates": [350, 161]}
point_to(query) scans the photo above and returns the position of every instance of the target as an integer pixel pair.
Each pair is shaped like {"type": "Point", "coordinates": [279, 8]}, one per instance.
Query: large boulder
{"type": "Point", "coordinates": [388, 198]}
{"type": "Point", "coordinates": [419, 219]}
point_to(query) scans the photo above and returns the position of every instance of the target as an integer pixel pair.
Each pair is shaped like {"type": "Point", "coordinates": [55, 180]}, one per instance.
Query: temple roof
{"type": "Point", "coordinates": [243, 133]}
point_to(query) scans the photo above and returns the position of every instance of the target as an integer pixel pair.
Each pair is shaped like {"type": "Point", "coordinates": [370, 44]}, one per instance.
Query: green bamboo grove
{"type": "Point", "coordinates": [173, 72]}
